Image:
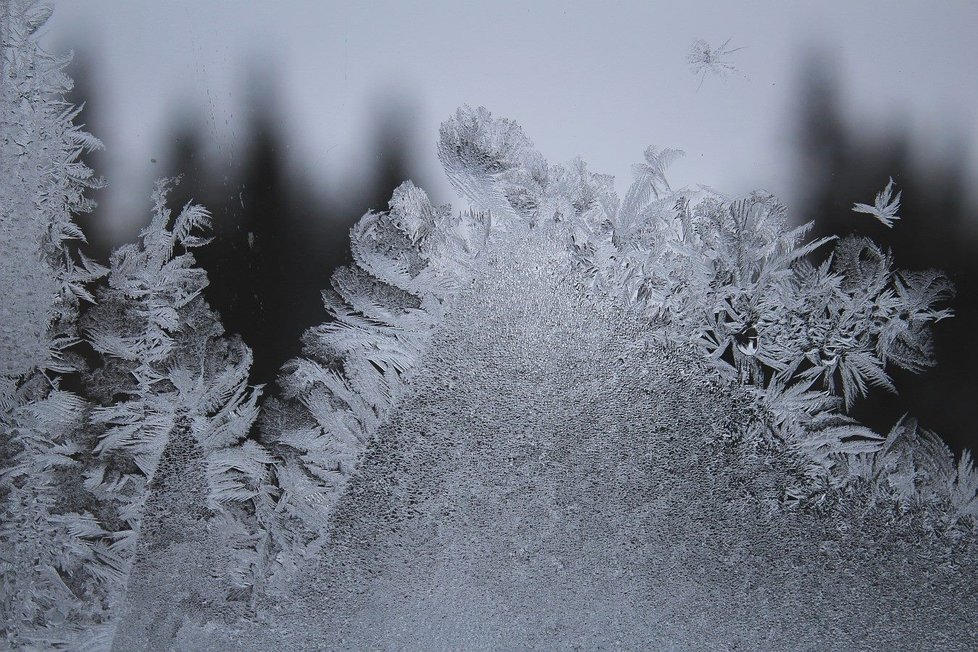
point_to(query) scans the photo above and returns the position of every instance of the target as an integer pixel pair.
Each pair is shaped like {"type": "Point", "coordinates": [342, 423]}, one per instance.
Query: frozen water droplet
{"type": "Point", "coordinates": [747, 340]}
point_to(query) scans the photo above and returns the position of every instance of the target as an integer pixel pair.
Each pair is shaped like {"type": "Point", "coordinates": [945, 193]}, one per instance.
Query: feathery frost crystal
{"type": "Point", "coordinates": [885, 208]}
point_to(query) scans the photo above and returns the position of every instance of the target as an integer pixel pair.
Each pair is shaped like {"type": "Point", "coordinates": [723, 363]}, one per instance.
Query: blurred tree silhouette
{"type": "Point", "coordinates": [838, 164]}
{"type": "Point", "coordinates": [391, 153]}
{"type": "Point", "coordinates": [84, 94]}
{"type": "Point", "coordinates": [275, 243]}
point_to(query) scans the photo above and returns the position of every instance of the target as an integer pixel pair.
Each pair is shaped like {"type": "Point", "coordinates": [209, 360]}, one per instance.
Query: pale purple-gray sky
{"type": "Point", "coordinates": [600, 80]}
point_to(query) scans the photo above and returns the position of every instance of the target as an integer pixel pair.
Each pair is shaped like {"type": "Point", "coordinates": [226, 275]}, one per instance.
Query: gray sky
{"type": "Point", "coordinates": [600, 80]}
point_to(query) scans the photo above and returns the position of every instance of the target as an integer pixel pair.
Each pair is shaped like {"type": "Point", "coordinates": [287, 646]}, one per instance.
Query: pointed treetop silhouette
{"type": "Point", "coordinates": [840, 164]}
{"type": "Point", "coordinates": [276, 243]}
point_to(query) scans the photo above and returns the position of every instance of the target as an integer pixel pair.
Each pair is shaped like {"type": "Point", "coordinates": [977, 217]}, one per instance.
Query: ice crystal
{"type": "Point", "coordinates": [885, 207]}
{"type": "Point", "coordinates": [706, 60]}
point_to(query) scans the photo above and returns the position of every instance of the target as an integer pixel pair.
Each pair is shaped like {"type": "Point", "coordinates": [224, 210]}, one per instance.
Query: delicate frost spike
{"type": "Point", "coordinates": [653, 171]}
{"type": "Point", "coordinates": [964, 492]}
{"type": "Point", "coordinates": [886, 207]}
{"type": "Point", "coordinates": [649, 183]}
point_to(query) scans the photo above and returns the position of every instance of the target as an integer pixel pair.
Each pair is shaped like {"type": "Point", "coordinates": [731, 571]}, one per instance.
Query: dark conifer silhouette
{"type": "Point", "coordinates": [839, 165]}
{"type": "Point", "coordinates": [276, 243]}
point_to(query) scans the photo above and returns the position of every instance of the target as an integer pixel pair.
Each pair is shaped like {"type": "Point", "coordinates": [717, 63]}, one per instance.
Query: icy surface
{"type": "Point", "coordinates": [554, 481]}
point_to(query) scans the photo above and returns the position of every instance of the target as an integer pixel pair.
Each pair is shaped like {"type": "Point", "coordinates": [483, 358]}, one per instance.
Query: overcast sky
{"type": "Point", "coordinates": [600, 80]}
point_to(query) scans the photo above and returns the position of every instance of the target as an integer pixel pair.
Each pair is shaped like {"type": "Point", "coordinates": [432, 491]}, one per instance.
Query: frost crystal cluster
{"type": "Point", "coordinates": [559, 419]}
